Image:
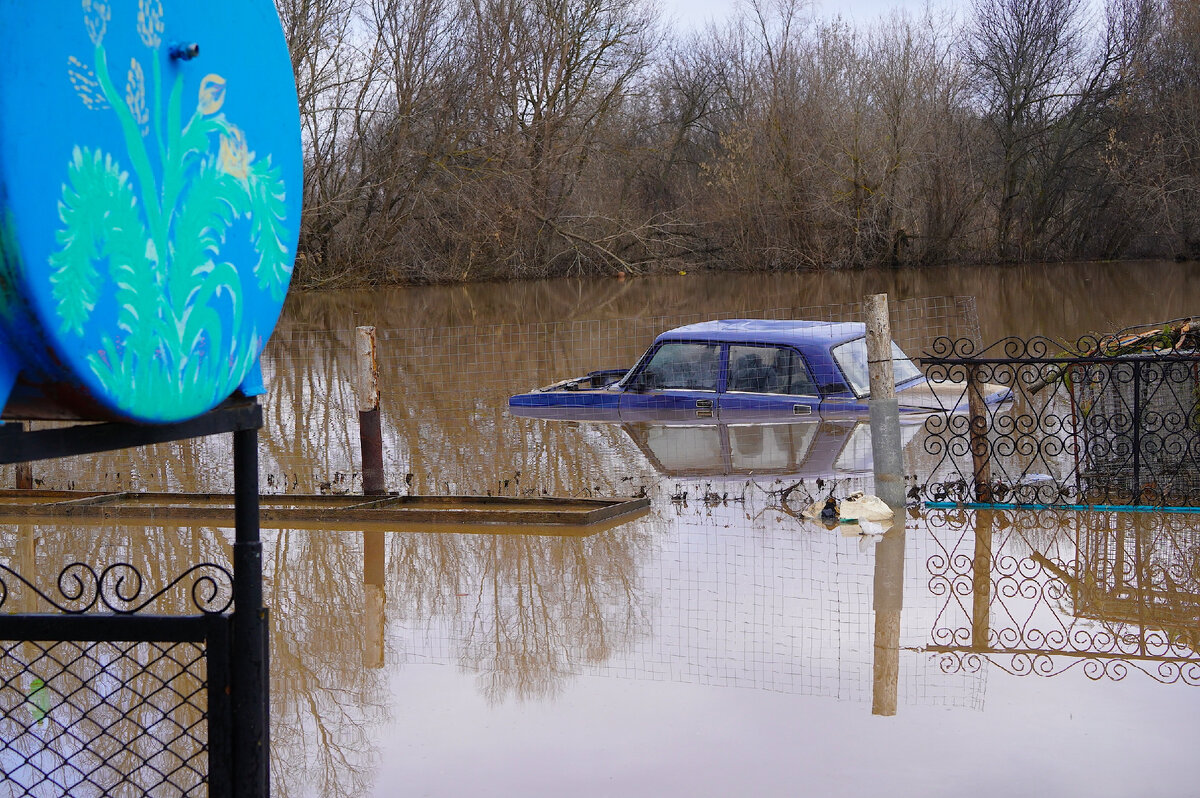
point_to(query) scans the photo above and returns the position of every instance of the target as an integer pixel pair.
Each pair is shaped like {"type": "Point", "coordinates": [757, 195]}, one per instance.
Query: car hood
{"type": "Point", "coordinates": [946, 396]}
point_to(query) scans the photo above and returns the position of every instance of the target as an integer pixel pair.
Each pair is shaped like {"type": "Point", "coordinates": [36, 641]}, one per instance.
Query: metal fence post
{"type": "Point", "coordinates": [370, 433]}
{"type": "Point", "coordinates": [980, 456]}
{"type": "Point", "coordinates": [250, 683]}
{"type": "Point", "coordinates": [1136, 488]}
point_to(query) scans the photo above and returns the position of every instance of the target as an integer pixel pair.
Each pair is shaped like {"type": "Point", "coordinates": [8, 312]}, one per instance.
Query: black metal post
{"type": "Point", "coordinates": [251, 749]}
{"type": "Point", "coordinates": [1137, 434]}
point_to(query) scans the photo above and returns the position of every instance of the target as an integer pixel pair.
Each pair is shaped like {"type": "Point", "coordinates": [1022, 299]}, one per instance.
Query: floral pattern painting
{"type": "Point", "coordinates": [149, 230]}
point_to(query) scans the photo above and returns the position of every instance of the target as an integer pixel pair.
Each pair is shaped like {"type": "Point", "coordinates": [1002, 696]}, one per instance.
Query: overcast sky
{"type": "Point", "coordinates": [694, 13]}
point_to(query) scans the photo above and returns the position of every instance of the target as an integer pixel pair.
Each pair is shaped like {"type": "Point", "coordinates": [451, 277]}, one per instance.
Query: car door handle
{"type": "Point", "coordinates": [801, 410]}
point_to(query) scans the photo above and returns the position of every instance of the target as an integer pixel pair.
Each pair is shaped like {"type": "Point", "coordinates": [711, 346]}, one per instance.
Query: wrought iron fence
{"type": "Point", "coordinates": [99, 699]}
{"type": "Point", "coordinates": [1112, 420]}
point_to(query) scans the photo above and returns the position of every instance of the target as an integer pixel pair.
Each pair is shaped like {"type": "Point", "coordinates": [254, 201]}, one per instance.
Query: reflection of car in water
{"type": "Point", "coordinates": [742, 370]}
{"type": "Point", "coordinates": [827, 449]}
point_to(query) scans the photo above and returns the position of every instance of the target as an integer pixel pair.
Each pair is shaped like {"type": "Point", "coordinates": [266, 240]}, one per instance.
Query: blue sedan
{"type": "Point", "coordinates": [742, 370]}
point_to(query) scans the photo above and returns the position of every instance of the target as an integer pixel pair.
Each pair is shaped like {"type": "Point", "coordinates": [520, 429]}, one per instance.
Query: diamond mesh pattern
{"type": "Point", "coordinates": [105, 718]}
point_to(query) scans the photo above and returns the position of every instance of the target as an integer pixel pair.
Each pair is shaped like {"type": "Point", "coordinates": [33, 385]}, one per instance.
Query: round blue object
{"type": "Point", "coordinates": [150, 195]}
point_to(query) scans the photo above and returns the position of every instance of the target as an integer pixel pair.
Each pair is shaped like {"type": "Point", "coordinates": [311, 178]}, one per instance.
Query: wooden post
{"type": "Point", "coordinates": [879, 347]}
{"type": "Point", "coordinates": [24, 475]}
{"type": "Point", "coordinates": [370, 433]}
{"type": "Point", "coordinates": [980, 455]}
{"type": "Point", "coordinates": [886, 450]}
{"type": "Point", "coordinates": [887, 459]}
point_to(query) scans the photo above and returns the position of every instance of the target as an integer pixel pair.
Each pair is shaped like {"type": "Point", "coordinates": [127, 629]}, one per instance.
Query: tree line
{"type": "Point", "coordinates": [457, 140]}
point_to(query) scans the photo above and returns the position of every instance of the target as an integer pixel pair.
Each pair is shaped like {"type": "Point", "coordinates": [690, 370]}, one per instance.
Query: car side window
{"type": "Point", "coordinates": [692, 366]}
{"type": "Point", "coordinates": [768, 369]}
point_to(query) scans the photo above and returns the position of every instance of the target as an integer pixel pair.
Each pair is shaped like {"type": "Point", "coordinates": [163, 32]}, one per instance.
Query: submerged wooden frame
{"type": "Point", "coordinates": [536, 515]}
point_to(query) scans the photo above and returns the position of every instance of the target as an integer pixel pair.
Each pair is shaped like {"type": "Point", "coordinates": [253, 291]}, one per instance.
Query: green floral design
{"type": "Point", "coordinates": [154, 239]}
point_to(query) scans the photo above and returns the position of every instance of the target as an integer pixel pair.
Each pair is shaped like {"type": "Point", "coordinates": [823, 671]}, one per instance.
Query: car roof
{"type": "Point", "coordinates": [798, 333]}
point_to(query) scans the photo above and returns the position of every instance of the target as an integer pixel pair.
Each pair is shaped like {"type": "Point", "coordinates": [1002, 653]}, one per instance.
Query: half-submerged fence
{"type": "Point", "coordinates": [1105, 421]}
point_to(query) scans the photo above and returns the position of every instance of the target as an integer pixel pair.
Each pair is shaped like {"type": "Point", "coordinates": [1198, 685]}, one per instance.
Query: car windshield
{"type": "Point", "coordinates": [852, 358]}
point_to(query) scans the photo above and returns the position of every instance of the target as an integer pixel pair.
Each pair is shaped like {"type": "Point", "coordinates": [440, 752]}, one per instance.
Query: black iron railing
{"type": "Point", "coordinates": [1038, 422]}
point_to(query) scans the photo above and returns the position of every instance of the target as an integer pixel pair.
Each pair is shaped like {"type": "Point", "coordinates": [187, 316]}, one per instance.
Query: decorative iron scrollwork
{"type": "Point", "coordinates": [120, 588]}
{"type": "Point", "coordinates": [1106, 420]}
{"type": "Point", "coordinates": [1041, 593]}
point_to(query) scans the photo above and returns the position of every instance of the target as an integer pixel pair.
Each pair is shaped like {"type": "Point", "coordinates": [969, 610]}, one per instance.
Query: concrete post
{"type": "Point", "coordinates": [886, 451]}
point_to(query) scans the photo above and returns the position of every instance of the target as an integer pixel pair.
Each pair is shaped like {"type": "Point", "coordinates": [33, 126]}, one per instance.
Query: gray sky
{"type": "Point", "coordinates": [694, 13]}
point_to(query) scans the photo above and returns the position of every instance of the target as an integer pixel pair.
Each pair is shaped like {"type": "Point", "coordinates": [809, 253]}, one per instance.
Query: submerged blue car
{"type": "Point", "coordinates": [743, 370]}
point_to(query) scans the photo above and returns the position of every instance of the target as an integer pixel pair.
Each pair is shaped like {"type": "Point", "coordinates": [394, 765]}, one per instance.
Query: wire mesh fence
{"type": "Point", "coordinates": [103, 718]}
{"type": "Point", "coordinates": [446, 423]}
{"type": "Point", "coordinates": [731, 593]}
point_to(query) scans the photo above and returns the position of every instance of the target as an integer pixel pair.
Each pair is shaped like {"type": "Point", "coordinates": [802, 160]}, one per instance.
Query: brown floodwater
{"type": "Point", "coordinates": [719, 644]}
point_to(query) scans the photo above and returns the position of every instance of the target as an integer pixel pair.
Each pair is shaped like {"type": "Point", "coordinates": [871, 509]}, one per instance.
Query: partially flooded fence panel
{"type": "Point", "coordinates": [1043, 592]}
{"type": "Point", "coordinates": [1105, 421]}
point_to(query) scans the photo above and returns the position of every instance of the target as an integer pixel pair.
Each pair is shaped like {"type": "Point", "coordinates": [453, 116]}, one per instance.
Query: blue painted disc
{"type": "Point", "coordinates": [150, 195]}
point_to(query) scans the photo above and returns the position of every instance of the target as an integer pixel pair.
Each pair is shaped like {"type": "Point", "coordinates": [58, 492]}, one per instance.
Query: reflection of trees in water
{"type": "Point", "coordinates": [326, 707]}
{"type": "Point", "coordinates": [523, 612]}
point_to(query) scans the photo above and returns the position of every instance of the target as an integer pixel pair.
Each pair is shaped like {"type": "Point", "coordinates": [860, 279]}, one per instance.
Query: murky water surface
{"type": "Point", "coordinates": [718, 645]}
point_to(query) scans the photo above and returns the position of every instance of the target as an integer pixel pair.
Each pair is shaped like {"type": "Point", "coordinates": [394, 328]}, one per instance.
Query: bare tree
{"type": "Point", "coordinates": [1046, 90]}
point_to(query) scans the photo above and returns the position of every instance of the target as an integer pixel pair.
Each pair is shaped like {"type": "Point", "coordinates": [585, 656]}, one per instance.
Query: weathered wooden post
{"type": "Point", "coordinates": [370, 432]}
{"type": "Point", "coordinates": [886, 450]}
{"type": "Point", "coordinates": [888, 602]}
{"type": "Point", "coordinates": [980, 457]}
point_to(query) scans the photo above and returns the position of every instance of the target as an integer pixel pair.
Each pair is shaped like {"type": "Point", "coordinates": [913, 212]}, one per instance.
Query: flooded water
{"type": "Point", "coordinates": [719, 644]}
